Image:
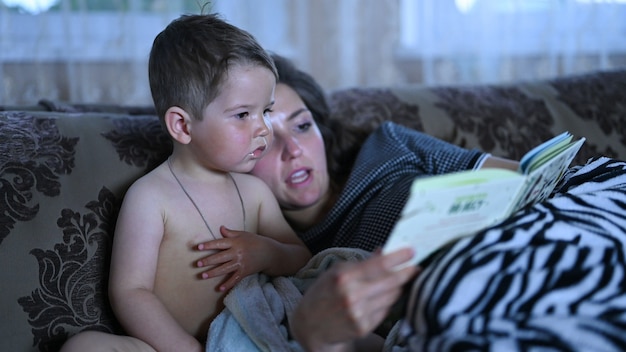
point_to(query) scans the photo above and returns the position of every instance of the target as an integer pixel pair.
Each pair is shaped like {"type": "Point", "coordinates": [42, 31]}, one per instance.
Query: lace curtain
{"type": "Point", "coordinates": [91, 51]}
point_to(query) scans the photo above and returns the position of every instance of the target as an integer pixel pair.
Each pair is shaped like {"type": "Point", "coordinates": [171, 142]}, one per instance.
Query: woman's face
{"type": "Point", "coordinates": [294, 167]}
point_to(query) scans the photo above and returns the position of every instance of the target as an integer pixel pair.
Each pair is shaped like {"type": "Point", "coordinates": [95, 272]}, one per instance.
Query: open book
{"type": "Point", "coordinates": [445, 207]}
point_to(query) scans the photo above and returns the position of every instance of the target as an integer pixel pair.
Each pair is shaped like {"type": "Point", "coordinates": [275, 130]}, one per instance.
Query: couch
{"type": "Point", "coordinates": [64, 169]}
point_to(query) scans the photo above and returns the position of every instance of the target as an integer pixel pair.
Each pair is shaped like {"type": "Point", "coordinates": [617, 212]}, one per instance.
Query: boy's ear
{"type": "Point", "coordinates": [178, 123]}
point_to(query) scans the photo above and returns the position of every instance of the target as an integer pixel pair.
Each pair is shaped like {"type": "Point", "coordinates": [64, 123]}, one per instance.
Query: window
{"type": "Point", "coordinates": [83, 30]}
{"type": "Point", "coordinates": [97, 50]}
{"type": "Point", "coordinates": [486, 40]}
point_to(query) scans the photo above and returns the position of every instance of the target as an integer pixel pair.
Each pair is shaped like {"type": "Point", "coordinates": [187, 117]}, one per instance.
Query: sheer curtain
{"type": "Point", "coordinates": [489, 41]}
{"type": "Point", "coordinates": [92, 51]}
{"type": "Point", "coordinates": [341, 43]}
{"type": "Point", "coordinates": [80, 51]}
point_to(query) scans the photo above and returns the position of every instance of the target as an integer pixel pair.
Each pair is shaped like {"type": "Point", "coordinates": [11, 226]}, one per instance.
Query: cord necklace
{"type": "Point", "coordinates": [243, 209]}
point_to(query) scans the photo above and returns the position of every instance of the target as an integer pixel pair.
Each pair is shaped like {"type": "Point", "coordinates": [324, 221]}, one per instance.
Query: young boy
{"type": "Point", "coordinates": [213, 87]}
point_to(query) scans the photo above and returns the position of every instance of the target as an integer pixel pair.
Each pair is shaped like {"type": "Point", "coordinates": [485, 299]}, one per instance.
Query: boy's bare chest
{"type": "Point", "coordinates": [178, 278]}
{"type": "Point", "coordinates": [199, 219]}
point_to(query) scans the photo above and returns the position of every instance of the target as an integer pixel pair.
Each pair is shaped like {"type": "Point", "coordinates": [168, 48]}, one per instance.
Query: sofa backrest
{"type": "Point", "coordinates": [506, 120]}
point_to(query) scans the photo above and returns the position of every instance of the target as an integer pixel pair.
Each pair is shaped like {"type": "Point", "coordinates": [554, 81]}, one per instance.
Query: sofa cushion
{"type": "Point", "coordinates": [63, 178]}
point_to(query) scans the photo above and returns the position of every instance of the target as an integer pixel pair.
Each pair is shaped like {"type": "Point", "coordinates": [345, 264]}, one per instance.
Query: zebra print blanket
{"type": "Point", "coordinates": [550, 278]}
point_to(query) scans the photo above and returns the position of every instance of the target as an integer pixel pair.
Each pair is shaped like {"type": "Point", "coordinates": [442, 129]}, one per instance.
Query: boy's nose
{"type": "Point", "coordinates": [265, 127]}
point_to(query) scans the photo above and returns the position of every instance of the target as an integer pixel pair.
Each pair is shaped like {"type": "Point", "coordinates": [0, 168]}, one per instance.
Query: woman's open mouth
{"type": "Point", "coordinates": [299, 176]}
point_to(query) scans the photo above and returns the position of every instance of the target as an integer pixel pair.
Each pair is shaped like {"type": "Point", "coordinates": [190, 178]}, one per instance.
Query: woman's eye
{"type": "Point", "coordinates": [303, 127]}
{"type": "Point", "coordinates": [267, 111]}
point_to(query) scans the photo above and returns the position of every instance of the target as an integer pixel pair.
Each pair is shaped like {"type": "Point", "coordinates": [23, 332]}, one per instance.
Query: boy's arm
{"type": "Point", "coordinates": [135, 252]}
{"type": "Point", "coordinates": [242, 253]}
{"type": "Point", "coordinates": [277, 250]}
{"type": "Point", "coordinates": [288, 252]}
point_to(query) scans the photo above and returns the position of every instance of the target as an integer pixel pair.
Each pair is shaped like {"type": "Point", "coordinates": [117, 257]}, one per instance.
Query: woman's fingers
{"type": "Point", "coordinates": [396, 258]}
{"type": "Point", "coordinates": [381, 272]}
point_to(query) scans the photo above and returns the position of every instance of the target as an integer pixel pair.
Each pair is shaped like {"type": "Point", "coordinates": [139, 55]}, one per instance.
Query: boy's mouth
{"type": "Point", "coordinates": [258, 152]}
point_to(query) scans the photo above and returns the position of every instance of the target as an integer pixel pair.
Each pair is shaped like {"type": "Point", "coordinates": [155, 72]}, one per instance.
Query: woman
{"type": "Point", "coordinates": [550, 277]}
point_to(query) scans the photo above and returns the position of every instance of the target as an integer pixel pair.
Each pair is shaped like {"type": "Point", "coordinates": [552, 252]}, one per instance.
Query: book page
{"type": "Point", "coordinates": [542, 180]}
{"type": "Point", "coordinates": [446, 207]}
{"type": "Point", "coordinates": [529, 159]}
{"type": "Point", "coordinates": [443, 208]}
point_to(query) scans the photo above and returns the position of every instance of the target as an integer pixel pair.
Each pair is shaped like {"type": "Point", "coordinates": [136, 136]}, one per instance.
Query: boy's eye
{"type": "Point", "coordinates": [242, 115]}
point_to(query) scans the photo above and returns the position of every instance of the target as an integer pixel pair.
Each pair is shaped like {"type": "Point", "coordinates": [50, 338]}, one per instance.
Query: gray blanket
{"type": "Point", "coordinates": [257, 309]}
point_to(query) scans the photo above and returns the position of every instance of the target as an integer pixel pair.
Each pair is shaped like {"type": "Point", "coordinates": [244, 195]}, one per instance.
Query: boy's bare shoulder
{"type": "Point", "coordinates": [152, 184]}
{"type": "Point", "coordinates": [248, 180]}
{"type": "Point", "coordinates": [251, 185]}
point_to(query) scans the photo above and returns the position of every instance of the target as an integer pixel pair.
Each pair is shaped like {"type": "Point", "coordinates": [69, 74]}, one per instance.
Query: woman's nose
{"type": "Point", "coordinates": [289, 145]}
{"type": "Point", "coordinates": [291, 148]}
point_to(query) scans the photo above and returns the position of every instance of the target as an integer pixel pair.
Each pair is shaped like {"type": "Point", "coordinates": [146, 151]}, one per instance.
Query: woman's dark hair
{"type": "Point", "coordinates": [314, 97]}
{"type": "Point", "coordinates": [309, 91]}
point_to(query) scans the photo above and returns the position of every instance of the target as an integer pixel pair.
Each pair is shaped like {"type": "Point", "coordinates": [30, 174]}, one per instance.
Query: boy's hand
{"type": "Point", "coordinates": [240, 254]}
